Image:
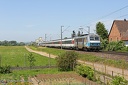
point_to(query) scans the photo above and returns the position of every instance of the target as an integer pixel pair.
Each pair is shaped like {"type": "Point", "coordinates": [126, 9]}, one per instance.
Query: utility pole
{"type": "Point", "coordinates": [88, 29]}
{"type": "Point", "coordinates": [61, 36]}
{"type": "Point", "coordinates": [45, 37]}
{"type": "Point", "coordinates": [81, 29]}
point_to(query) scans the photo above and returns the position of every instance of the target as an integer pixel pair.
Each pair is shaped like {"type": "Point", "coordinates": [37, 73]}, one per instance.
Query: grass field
{"type": "Point", "coordinates": [15, 75]}
{"type": "Point", "coordinates": [86, 57]}
{"type": "Point", "coordinates": [53, 51]}
{"type": "Point", "coordinates": [17, 56]}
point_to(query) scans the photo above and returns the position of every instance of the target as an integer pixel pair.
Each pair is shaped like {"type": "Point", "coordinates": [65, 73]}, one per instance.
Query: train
{"type": "Point", "coordinates": [87, 42]}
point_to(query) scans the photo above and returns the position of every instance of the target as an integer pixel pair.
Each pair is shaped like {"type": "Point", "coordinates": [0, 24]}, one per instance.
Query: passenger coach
{"type": "Point", "coordinates": [85, 42]}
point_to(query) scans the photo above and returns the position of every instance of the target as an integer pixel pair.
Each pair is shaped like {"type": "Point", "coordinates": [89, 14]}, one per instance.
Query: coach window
{"type": "Point", "coordinates": [69, 42]}
{"type": "Point", "coordinates": [63, 42]}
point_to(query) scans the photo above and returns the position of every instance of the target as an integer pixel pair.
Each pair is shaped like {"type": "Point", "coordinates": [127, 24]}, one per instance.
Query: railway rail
{"type": "Point", "coordinates": [108, 54]}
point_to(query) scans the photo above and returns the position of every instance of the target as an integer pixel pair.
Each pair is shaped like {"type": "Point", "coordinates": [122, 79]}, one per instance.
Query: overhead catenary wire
{"type": "Point", "coordinates": [114, 12]}
{"type": "Point", "coordinates": [100, 18]}
{"type": "Point", "coordinates": [91, 21]}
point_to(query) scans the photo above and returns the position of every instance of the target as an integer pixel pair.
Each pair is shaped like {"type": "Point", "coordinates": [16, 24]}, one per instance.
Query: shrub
{"type": "Point", "coordinates": [117, 80]}
{"type": "Point", "coordinates": [5, 69]}
{"type": "Point", "coordinates": [104, 43]}
{"type": "Point", "coordinates": [31, 60]}
{"type": "Point", "coordinates": [85, 71]}
{"type": "Point", "coordinates": [115, 46]}
{"type": "Point", "coordinates": [67, 61]}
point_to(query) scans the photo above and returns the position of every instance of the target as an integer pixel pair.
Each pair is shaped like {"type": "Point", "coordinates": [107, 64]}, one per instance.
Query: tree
{"type": "Point", "coordinates": [31, 60]}
{"type": "Point", "coordinates": [65, 38]}
{"type": "Point", "coordinates": [101, 30]}
{"type": "Point", "coordinates": [12, 43]}
{"type": "Point", "coordinates": [21, 44]}
{"type": "Point", "coordinates": [67, 61]}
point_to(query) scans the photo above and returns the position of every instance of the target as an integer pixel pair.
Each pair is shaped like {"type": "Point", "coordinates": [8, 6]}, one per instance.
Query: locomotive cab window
{"type": "Point", "coordinates": [91, 38]}
{"type": "Point", "coordinates": [96, 38]}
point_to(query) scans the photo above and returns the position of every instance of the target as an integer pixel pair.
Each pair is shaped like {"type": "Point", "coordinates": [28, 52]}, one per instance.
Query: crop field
{"type": "Point", "coordinates": [62, 79]}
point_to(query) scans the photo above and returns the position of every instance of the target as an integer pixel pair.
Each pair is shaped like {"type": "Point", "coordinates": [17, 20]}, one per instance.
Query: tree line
{"type": "Point", "coordinates": [11, 43]}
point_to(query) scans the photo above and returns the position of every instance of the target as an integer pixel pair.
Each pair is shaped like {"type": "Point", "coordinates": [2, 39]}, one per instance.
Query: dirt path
{"type": "Point", "coordinates": [41, 53]}
{"type": "Point", "coordinates": [98, 67]}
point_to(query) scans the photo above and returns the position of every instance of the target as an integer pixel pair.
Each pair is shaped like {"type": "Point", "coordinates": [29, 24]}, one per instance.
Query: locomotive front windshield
{"type": "Point", "coordinates": [94, 38]}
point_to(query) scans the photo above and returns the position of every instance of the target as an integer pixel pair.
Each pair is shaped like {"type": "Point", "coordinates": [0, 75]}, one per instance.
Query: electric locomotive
{"type": "Point", "coordinates": [88, 42]}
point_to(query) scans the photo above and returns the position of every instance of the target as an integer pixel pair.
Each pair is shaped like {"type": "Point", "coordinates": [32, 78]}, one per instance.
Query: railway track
{"type": "Point", "coordinates": [115, 53]}
{"type": "Point", "coordinates": [108, 54]}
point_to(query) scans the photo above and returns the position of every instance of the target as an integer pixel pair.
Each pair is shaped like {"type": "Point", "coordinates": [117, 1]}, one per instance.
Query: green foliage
{"type": "Point", "coordinates": [31, 60]}
{"type": "Point", "coordinates": [125, 49]}
{"type": "Point", "coordinates": [18, 56]}
{"type": "Point", "coordinates": [117, 80]}
{"type": "Point", "coordinates": [101, 30]}
{"type": "Point", "coordinates": [33, 44]}
{"type": "Point", "coordinates": [115, 46]}
{"type": "Point", "coordinates": [85, 71]}
{"type": "Point", "coordinates": [104, 43]}
{"type": "Point", "coordinates": [67, 61]}
{"type": "Point", "coordinates": [85, 57]}
{"type": "Point", "coordinates": [16, 74]}
{"type": "Point", "coordinates": [11, 43]}
{"type": "Point", "coordinates": [53, 51]}
{"type": "Point", "coordinates": [5, 69]}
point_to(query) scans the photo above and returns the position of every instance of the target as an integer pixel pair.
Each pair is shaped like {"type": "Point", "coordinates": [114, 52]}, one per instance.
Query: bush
{"type": "Point", "coordinates": [67, 61]}
{"type": "Point", "coordinates": [117, 80]}
{"type": "Point", "coordinates": [85, 71]}
{"type": "Point", "coordinates": [31, 60]}
{"type": "Point", "coordinates": [5, 69]}
{"type": "Point", "coordinates": [115, 46]}
{"type": "Point", "coordinates": [104, 43]}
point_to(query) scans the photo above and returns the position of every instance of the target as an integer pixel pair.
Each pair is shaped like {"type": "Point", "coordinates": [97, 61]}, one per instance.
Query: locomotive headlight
{"type": "Point", "coordinates": [91, 44]}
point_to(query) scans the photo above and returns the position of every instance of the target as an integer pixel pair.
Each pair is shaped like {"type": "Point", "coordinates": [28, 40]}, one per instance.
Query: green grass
{"type": "Point", "coordinates": [110, 62]}
{"type": "Point", "coordinates": [87, 57]}
{"type": "Point", "coordinates": [53, 51]}
{"type": "Point", "coordinates": [17, 56]}
{"type": "Point", "coordinates": [15, 75]}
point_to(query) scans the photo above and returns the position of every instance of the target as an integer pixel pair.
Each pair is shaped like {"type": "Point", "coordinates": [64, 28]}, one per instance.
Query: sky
{"type": "Point", "coordinates": [27, 20]}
